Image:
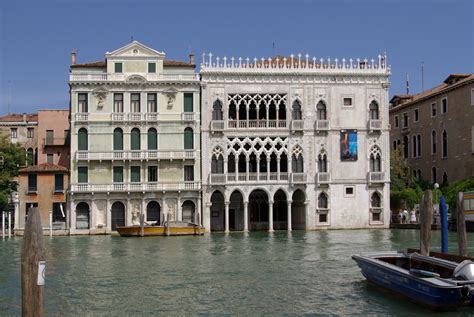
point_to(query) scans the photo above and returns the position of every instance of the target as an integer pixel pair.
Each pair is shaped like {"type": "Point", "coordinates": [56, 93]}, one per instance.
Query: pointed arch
{"type": "Point", "coordinates": [374, 110]}
{"type": "Point", "coordinates": [296, 111]}
{"type": "Point", "coordinates": [217, 110]}
{"type": "Point", "coordinates": [322, 162]}
{"type": "Point", "coordinates": [321, 110]}
{"type": "Point", "coordinates": [297, 159]}
{"type": "Point", "coordinates": [375, 159]}
{"type": "Point", "coordinates": [217, 161]}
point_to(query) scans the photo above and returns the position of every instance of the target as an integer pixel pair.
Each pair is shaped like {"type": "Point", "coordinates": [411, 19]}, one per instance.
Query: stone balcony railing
{"type": "Point", "coordinates": [135, 187]}
{"type": "Point", "coordinates": [323, 178]}
{"type": "Point", "coordinates": [102, 77]}
{"type": "Point", "coordinates": [220, 179]}
{"type": "Point", "coordinates": [136, 155]}
{"type": "Point", "coordinates": [375, 124]}
{"type": "Point", "coordinates": [298, 178]}
{"type": "Point", "coordinates": [321, 125]}
{"type": "Point", "coordinates": [376, 177]}
{"type": "Point", "coordinates": [297, 125]}
{"type": "Point", "coordinates": [141, 117]}
{"type": "Point", "coordinates": [256, 124]}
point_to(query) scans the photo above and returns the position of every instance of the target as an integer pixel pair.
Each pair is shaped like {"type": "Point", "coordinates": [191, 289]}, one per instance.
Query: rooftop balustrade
{"type": "Point", "coordinates": [299, 62]}
{"type": "Point", "coordinates": [102, 77]}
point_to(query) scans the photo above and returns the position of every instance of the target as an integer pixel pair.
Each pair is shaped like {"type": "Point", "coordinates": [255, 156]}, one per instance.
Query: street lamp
{"type": "Point", "coordinates": [436, 213]}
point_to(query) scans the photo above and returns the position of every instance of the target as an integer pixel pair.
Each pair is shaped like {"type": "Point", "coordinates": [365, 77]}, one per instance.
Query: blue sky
{"type": "Point", "coordinates": [36, 37]}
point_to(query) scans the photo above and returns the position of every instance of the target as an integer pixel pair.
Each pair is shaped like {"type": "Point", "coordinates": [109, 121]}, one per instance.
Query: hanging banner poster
{"type": "Point", "coordinates": [348, 145]}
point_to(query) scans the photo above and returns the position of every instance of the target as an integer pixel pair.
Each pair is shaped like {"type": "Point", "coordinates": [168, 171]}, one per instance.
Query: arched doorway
{"type": "Point", "coordinates": [236, 212]}
{"type": "Point", "coordinates": [258, 210]}
{"type": "Point", "coordinates": [82, 216]}
{"type": "Point", "coordinates": [280, 211]}
{"type": "Point", "coordinates": [153, 212]}
{"type": "Point", "coordinates": [118, 215]}
{"type": "Point", "coordinates": [298, 215]}
{"type": "Point", "coordinates": [188, 211]}
{"type": "Point", "coordinates": [217, 211]}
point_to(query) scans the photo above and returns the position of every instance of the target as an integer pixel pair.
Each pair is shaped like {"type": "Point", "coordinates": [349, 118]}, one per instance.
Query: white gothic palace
{"type": "Point", "coordinates": [294, 143]}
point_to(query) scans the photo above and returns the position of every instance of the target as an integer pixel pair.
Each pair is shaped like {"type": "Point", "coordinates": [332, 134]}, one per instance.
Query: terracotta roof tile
{"type": "Point", "coordinates": [16, 117]}
{"type": "Point", "coordinates": [433, 91]}
{"type": "Point", "coordinates": [166, 62]}
{"type": "Point", "coordinates": [42, 168]}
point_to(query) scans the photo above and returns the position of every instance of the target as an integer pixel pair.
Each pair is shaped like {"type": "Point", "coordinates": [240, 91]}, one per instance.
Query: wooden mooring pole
{"type": "Point", "coordinates": [461, 226]}
{"type": "Point", "coordinates": [426, 213]}
{"type": "Point", "coordinates": [32, 267]}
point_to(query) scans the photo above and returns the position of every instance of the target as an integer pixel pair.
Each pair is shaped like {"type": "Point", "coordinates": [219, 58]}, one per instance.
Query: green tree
{"type": "Point", "coordinates": [12, 158]}
{"type": "Point", "coordinates": [399, 173]}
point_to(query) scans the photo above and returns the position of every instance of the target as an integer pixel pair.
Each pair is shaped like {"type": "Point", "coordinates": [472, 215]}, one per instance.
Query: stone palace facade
{"type": "Point", "coordinates": [270, 144]}
{"type": "Point", "coordinates": [295, 143]}
{"type": "Point", "coordinates": [135, 131]}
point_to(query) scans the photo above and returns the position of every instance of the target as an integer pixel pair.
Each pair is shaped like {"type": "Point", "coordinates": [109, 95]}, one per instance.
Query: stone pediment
{"type": "Point", "coordinates": [135, 49]}
{"type": "Point", "coordinates": [135, 79]}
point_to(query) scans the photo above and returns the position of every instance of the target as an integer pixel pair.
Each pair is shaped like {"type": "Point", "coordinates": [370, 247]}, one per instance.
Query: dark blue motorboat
{"type": "Point", "coordinates": [434, 282]}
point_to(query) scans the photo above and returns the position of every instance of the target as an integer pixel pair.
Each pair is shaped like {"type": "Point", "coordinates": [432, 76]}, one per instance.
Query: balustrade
{"type": "Point", "coordinates": [297, 125]}
{"type": "Point", "coordinates": [298, 178]}
{"type": "Point", "coordinates": [84, 77]}
{"type": "Point", "coordinates": [321, 125]}
{"type": "Point", "coordinates": [296, 62]}
{"type": "Point", "coordinates": [135, 155]}
{"type": "Point", "coordinates": [254, 124]}
{"type": "Point", "coordinates": [323, 178]}
{"type": "Point", "coordinates": [375, 124]}
{"type": "Point", "coordinates": [188, 116]}
{"type": "Point", "coordinates": [220, 179]}
{"type": "Point", "coordinates": [376, 177]}
{"type": "Point", "coordinates": [82, 117]}
{"type": "Point", "coordinates": [138, 187]}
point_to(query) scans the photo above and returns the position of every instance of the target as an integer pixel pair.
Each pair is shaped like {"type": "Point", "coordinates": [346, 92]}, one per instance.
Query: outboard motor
{"type": "Point", "coordinates": [464, 271]}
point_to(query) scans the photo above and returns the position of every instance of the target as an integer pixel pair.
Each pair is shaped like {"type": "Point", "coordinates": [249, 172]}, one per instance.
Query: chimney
{"type": "Point", "coordinates": [192, 60]}
{"type": "Point", "coordinates": [24, 116]}
{"type": "Point", "coordinates": [73, 57]}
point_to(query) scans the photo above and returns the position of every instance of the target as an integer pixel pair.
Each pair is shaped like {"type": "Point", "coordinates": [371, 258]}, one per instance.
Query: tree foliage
{"type": "Point", "coordinates": [451, 192]}
{"type": "Point", "coordinates": [13, 159]}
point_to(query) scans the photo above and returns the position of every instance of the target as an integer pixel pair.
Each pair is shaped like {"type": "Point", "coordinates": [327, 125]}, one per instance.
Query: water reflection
{"type": "Point", "coordinates": [239, 274]}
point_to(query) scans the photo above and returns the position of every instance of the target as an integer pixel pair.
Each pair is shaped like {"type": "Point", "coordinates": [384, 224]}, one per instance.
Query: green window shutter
{"type": "Point", "coordinates": [58, 182]}
{"type": "Point", "coordinates": [118, 174]}
{"type": "Point", "coordinates": [135, 139]}
{"type": "Point", "coordinates": [118, 139]}
{"type": "Point", "coordinates": [82, 174]}
{"type": "Point", "coordinates": [188, 102]}
{"type": "Point", "coordinates": [152, 67]}
{"type": "Point", "coordinates": [118, 67]}
{"type": "Point", "coordinates": [152, 139]}
{"type": "Point", "coordinates": [49, 137]}
{"type": "Point", "coordinates": [188, 139]}
{"type": "Point", "coordinates": [82, 140]}
{"type": "Point", "coordinates": [135, 174]}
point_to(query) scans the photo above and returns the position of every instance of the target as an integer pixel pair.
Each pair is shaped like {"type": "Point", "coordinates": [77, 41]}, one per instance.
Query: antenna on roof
{"type": "Point", "coordinates": [422, 76]}
{"type": "Point", "coordinates": [9, 96]}
{"type": "Point", "coordinates": [273, 49]}
{"type": "Point", "coordinates": [408, 85]}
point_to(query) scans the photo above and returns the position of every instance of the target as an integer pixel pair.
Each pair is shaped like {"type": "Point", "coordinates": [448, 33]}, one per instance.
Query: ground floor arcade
{"type": "Point", "coordinates": [102, 213]}
{"type": "Point", "coordinates": [260, 209]}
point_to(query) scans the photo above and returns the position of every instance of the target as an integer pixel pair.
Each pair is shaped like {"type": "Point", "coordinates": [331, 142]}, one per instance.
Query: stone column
{"type": "Point", "coordinates": [289, 214]}
{"type": "Point", "coordinates": [108, 216]}
{"type": "Point", "coordinates": [268, 168]}
{"type": "Point", "coordinates": [236, 168]}
{"type": "Point", "coordinates": [199, 216]}
{"type": "Point", "coordinates": [143, 209]}
{"type": "Point", "coordinates": [278, 167]}
{"type": "Point", "coordinates": [226, 215]}
{"type": "Point", "coordinates": [164, 209]}
{"type": "Point", "coordinates": [258, 168]}
{"type": "Point", "coordinates": [270, 216]}
{"type": "Point", "coordinates": [128, 213]}
{"type": "Point", "coordinates": [72, 213]}
{"type": "Point", "coordinates": [16, 204]}
{"type": "Point", "coordinates": [246, 216]}
{"type": "Point", "coordinates": [207, 217]}
{"type": "Point", "coordinates": [247, 167]}
{"type": "Point", "coordinates": [179, 210]}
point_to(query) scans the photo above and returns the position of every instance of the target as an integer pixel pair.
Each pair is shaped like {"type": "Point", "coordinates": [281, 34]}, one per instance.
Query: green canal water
{"type": "Point", "coordinates": [238, 274]}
